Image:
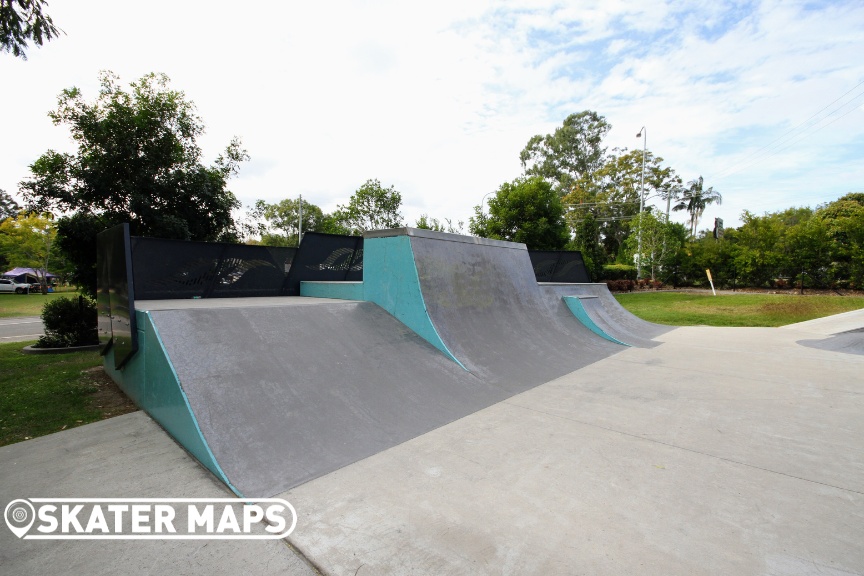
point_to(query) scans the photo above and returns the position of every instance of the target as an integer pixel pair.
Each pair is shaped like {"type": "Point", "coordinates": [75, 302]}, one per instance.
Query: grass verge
{"type": "Point", "coordinates": [41, 394]}
{"type": "Point", "coordinates": [693, 309]}
{"type": "Point", "coordinates": [14, 305]}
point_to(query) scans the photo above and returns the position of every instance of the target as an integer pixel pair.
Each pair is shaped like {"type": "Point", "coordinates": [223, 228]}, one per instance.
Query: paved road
{"type": "Point", "coordinates": [20, 329]}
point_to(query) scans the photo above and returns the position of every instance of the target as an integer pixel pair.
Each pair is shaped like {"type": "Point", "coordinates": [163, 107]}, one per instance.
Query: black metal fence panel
{"type": "Point", "coordinates": [115, 296]}
{"type": "Point", "coordinates": [166, 269]}
{"type": "Point", "coordinates": [325, 257]}
{"type": "Point", "coordinates": [559, 266]}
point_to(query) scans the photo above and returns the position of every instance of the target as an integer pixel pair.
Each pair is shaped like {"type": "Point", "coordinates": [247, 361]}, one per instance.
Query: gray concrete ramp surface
{"type": "Point", "coordinates": [284, 394]}
{"type": "Point", "coordinates": [608, 314]}
{"type": "Point", "coordinates": [838, 333]}
{"type": "Point", "coordinates": [851, 342]}
{"type": "Point", "coordinates": [488, 309]}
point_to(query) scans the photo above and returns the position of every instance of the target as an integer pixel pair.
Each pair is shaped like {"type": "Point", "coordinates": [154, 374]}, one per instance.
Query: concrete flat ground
{"type": "Point", "coordinates": [721, 451]}
{"type": "Point", "coordinates": [125, 457]}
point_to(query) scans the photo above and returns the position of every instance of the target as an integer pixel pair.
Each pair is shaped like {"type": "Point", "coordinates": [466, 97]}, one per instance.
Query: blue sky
{"type": "Point", "coordinates": [765, 100]}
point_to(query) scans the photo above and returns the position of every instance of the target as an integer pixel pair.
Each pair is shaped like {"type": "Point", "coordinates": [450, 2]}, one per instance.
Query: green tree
{"type": "Point", "coordinates": [611, 193]}
{"type": "Point", "coordinates": [586, 239]}
{"type": "Point", "coordinates": [696, 198]}
{"type": "Point", "coordinates": [844, 222]}
{"type": "Point", "coordinates": [759, 258]}
{"type": "Point", "coordinates": [138, 162]}
{"type": "Point", "coordinates": [527, 210]}
{"type": "Point", "coordinates": [331, 224]}
{"type": "Point", "coordinates": [659, 244]}
{"type": "Point", "coordinates": [26, 240]}
{"type": "Point", "coordinates": [23, 20]}
{"type": "Point", "coordinates": [571, 152]}
{"type": "Point", "coordinates": [425, 222]}
{"type": "Point", "coordinates": [371, 207]}
{"type": "Point", "coordinates": [8, 206]}
{"type": "Point", "coordinates": [706, 252]}
{"type": "Point", "coordinates": [809, 251]}
{"type": "Point", "coordinates": [284, 217]}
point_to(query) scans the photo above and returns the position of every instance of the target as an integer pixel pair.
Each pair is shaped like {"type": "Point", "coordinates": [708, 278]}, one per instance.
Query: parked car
{"type": "Point", "coordinates": [7, 285]}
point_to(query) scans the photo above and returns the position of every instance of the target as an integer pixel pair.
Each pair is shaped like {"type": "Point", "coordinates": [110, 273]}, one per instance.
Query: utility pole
{"type": "Point", "coordinates": [300, 222]}
{"type": "Point", "coordinates": [642, 200]}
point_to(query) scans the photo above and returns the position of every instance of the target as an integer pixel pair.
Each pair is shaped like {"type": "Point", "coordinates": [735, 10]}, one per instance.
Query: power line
{"type": "Point", "coordinates": [806, 128]}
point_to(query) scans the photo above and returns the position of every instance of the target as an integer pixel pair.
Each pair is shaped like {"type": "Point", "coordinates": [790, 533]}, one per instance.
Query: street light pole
{"type": "Point", "coordinates": [484, 199]}
{"type": "Point", "coordinates": [300, 221]}
{"type": "Point", "coordinates": [643, 131]}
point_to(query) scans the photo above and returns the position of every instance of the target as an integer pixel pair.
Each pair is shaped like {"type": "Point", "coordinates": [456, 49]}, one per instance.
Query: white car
{"type": "Point", "coordinates": [7, 285]}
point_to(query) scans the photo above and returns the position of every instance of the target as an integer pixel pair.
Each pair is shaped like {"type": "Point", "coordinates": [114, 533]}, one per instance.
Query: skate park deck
{"type": "Point", "coordinates": [721, 451]}
{"type": "Point", "coordinates": [424, 436]}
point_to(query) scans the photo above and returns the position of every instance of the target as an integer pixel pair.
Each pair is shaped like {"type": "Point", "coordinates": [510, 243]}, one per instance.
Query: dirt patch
{"type": "Point", "coordinates": [107, 397]}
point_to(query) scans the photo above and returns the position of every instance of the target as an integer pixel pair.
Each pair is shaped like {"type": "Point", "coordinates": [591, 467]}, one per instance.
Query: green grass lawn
{"type": "Point", "coordinates": [12, 305]}
{"type": "Point", "coordinates": [41, 394]}
{"type": "Point", "coordinates": [692, 309]}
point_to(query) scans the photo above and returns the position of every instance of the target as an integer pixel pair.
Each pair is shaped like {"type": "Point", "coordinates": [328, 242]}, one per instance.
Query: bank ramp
{"type": "Point", "coordinates": [271, 392]}
{"type": "Point", "coordinates": [607, 314]}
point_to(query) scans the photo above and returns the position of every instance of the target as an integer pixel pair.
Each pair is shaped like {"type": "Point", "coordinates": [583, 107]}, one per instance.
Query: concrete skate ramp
{"type": "Point", "coordinates": [484, 302]}
{"type": "Point", "coordinates": [287, 393]}
{"type": "Point", "coordinates": [608, 314]}
{"type": "Point", "coordinates": [851, 342]}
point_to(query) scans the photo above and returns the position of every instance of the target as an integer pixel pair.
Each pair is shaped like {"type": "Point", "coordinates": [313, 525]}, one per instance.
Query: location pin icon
{"type": "Point", "coordinates": [19, 515]}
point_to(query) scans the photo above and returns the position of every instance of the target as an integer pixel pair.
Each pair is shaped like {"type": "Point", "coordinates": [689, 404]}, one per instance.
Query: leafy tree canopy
{"type": "Point", "coordinates": [8, 206]}
{"type": "Point", "coordinates": [372, 207]}
{"type": "Point", "coordinates": [611, 194]}
{"type": "Point", "coordinates": [137, 161]}
{"type": "Point", "coordinates": [426, 222]}
{"type": "Point", "coordinates": [26, 240]}
{"type": "Point", "coordinates": [23, 20]}
{"type": "Point", "coordinates": [283, 218]}
{"type": "Point", "coordinates": [527, 210]}
{"type": "Point", "coordinates": [653, 243]}
{"type": "Point", "coordinates": [572, 152]}
{"type": "Point", "coordinates": [696, 198]}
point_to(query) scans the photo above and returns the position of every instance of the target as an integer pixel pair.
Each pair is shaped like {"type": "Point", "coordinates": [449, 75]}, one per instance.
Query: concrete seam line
{"type": "Point", "coordinates": [683, 448]}
{"type": "Point", "coordinates": [303, 556]}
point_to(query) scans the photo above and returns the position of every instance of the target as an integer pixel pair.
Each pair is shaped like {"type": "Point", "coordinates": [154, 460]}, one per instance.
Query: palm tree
{"type": "Point", "coordinates": [695, 200]}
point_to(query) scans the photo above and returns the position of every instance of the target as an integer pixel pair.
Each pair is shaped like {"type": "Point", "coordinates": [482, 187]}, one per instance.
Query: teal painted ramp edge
{"type": "Point", "coordinates": [150, 380]}
{"type": "Point", "coordinates": [575, 306]}
{"type": "Point", "coordinates": [339, 290]}
{"type": "Point", "coordinates": [390, 280]}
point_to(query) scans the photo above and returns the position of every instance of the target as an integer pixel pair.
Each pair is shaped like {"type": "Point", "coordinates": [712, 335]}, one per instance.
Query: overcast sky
{"type": "Point", "coordinates": [765, 99]}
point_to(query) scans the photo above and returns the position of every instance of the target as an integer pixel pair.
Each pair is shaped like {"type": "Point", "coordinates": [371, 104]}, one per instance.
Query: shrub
{"type": "Point", "coordinates": [69, 322]}
{"type": "Point", "coordinates": [619, 272]}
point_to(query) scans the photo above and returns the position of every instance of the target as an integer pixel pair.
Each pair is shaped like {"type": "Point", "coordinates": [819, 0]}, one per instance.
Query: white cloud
{"type": "Point", "coordinates": [439, 99]}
